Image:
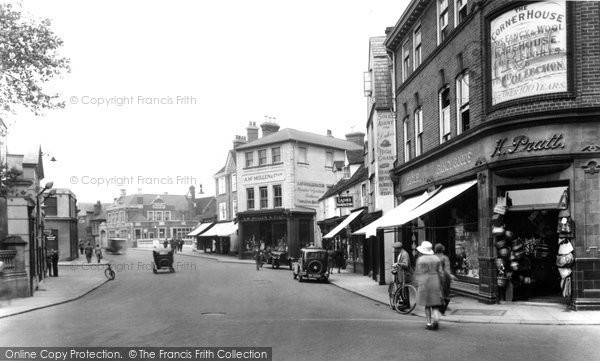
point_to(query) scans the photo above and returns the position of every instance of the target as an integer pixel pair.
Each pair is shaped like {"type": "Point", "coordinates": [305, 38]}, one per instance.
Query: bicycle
{"type": "Point", "coordinates": [402, 296]}
{"type": "Point", "coordinates": [109, 273]}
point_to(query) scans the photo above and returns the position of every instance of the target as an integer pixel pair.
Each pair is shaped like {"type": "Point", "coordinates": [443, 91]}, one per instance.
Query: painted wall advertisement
{"type": "Point", "coordinates": [308, 193]}
{"type": "Point", "coordinates": [529, 51]}
{"type": "Point", "coordinates": [264, 177]}
{"type": "Point", "coordinates": [386, 151]}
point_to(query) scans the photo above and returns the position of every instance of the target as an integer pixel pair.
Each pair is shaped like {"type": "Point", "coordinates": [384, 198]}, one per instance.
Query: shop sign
{"type": "Point", "coordinates": [386, 151]}
{"type": "Point", "coordinates": [158, 205]}
{"type": "Point", "coordinates": [445, 166]}
{"type": "Point", "coordinates": [277, 176]}
{"type": "Point", "coordinates": [523, 143]}
{"type": "Point", "coordinates": [308, 193]}
{"type": "Point", "coordinates": [344, 201]}
{"type": "Point", "coordinates": [529, 51]}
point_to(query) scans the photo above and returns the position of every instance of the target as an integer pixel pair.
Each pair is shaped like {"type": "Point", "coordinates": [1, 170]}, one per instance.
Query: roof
{"type": "Point", "coordinates": [289, 134]}
{"type": "Point", "coordinates": [360, 175]}
{"type": "Point", "coordinates": [206, 208]}
{"type": "Point", "coordinates": [180, 202]}
{"type": "Point", "coordinates": [355, 156]}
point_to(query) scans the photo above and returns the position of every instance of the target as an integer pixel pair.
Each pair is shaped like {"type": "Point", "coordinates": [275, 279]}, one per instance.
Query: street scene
{"type": "Point", "coordinates": [267, 180]}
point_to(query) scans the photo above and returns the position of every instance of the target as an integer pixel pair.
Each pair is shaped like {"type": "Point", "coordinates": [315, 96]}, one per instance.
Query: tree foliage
{"type": "Point", "coordinates": [29, 58]}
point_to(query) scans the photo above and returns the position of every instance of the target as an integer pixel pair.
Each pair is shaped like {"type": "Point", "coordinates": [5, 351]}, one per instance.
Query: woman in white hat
{"type": "Point", "coordinates": [428, 272]}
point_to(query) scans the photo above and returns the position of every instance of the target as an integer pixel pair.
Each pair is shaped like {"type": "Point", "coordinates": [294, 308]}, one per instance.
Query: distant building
{"type": "Point", "coordinates": [60, 229]}
{"type": "Point", "coordinates": [280, 178]}
{"type": "Point", "coordinates": [92, 223]}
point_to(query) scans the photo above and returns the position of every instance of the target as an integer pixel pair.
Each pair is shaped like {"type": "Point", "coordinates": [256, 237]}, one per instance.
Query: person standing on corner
{"type": "Point", "coordinates": [429, 273]}
{"type": "Point", "coordinates": [49, 261]}
{"type": "Point", "coordinates": [447, 275]}
{"type": "Point", "coordinates": [55, 262]}
{"type": "Point", "coordinates": [98, 252]}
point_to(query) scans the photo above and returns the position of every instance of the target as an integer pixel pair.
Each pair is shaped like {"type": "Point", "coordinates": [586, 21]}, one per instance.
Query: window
{"type": "Point", "coordinates": [264, 197]}
{"type": "Point", "coordinates": [249, 159]}
{"type": "Point", "coordinates": [302, 155]}
{"type": "Point", "coordinates": [405, 61]}
{"type": "Point", "coordinates": [262, 156]}
{"type": "Point", "coordinates": [158, 216]}
{"type": "Point", "coordinates": [222, 211]}
{"type": "Point", "coordinates": [417, 46]}
{"type": "Point", "coordinates": [234, 207]}
{"type": "Point", "coordinates": [234, 182]}
{"type": "Point", "coordinates": [150, 216]}
{"type": "Point", "coordinates": [221, 183]}
{"type": "Point", "coordinates": [328, 159]}
{"type": "Point", "coordinates": [460, 11]}
{"type": "Point", "coordinates": [167, 215]}
{"type": "Point", "coordinates": [162, 233]}
{"type": "Point", "coordinates": [277, 196]}
{"type": "Point", "coordinates": [462, 103]}
{"type": "Point", "coordinates": [346, 171]}
{"type": "Point", "coordinates": [444, 114]}
{"type": "Point", "coordinates": [442, 20]}
{"type": "Point", "coordinates": [406, 140]}
{"type": "Point", "coordinates": [276, 155]}
{"type": "Point", "coordinates": [250, 198]}
{"type": "Point", "coordinates": [418, 132]}
{"type": "Point", "coordinates": [51, 207]}
{"type": "Point", "coordinates": [363, 190]}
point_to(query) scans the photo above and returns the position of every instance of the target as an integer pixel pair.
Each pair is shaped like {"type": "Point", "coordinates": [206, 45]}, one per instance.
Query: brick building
{"type": "Point", "coordinates": [60, 228]}
{"type": "Point", "coordinates": [280, 178]}
{"type": "Point", "coordinates": [500, 99]}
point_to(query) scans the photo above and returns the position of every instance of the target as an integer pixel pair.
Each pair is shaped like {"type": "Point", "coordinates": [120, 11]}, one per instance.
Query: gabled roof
{"type": "Point", "coordinates": [206, 208]}
{"type": "Point", "coordinates": [355, 156]}
{"type": "Point", "coordinates": [289, 134]}
{"type": "Point", "coordinates": [230, 163]}
{"type": "Point", "coordinates": [138, 217]}
{"type": "Point", "coordinates": [180, 202]}
{"type": "Point", "coordinates": [360, 175]}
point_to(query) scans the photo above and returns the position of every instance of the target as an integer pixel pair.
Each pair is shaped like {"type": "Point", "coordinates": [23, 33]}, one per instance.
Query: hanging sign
{"type": "Point", "coordinates": [344, 201]}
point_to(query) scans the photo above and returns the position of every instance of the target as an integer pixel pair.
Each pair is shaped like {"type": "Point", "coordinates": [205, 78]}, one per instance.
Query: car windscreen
{"type": "Point", "coordinates": [315, 255]}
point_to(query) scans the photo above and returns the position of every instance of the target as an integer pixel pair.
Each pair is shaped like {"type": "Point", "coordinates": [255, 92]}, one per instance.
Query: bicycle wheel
{"type": "Point", "coordinates": [109, 273]}
{"type": "Point", "coordinates": [392, 293]}
{"type": "Point", "coordinates": [405, 299]}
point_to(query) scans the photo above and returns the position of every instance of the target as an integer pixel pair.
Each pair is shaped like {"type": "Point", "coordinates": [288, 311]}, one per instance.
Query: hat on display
{"type": "Point", "coordinates": [498, 231]}
{"type": "Point", "coordinates": [425, 248]}
{"type": "Point", "coordinates": [501, 244]}
{"type": "Point", "coordinates": [509, 236]}
{"type": "Point", "coordinates": [564, 272]}
{"type": "Point", "coordinates": [564, 260]}
{"type": "Point", "coordinates": [503, 252]}
{"type": "Point", "coordinates": [565, 248]}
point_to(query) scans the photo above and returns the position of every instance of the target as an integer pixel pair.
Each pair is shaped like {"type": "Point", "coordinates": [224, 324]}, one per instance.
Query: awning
{"type": "Point", "coordinates": [344, 223]}
{"type": "Point", "coordinates": [441, 197]}
{"type": "Point", "coordinates": [392, 216]}
{"type": "Point", "coordinates": [201, 227]}
{"type": "Point", "coordinates": [221, 230]}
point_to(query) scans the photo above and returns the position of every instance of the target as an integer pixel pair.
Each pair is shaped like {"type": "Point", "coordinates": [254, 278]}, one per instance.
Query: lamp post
{"type": "Point", "coordinates": [39, 264]}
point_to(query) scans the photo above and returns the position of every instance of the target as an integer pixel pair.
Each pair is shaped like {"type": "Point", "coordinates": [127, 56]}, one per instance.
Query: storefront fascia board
{"type": "Point", "coordinates": [512, 145]}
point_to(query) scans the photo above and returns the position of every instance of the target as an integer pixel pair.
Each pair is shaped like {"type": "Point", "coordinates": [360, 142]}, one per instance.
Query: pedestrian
{"type": "Point", "coordinates": [98, 252]}
{"type": "Point", "coordinates": [403, 263]}
{"type": "Point", "coordinates": [339, 259]}
{"type": "Point", "coordinates": [428, 273]}
{"type": "Point", "coordinates": [49, 262]}
{"type": "Point", "coordinates": [88, 252]}
{"type": "Point", "coordinates": [81, 247]}
{"type": "Point", "coordinates": [330, 260]}
{"type": "Point", "coordinates": [55, 263]}
{"type": "Point", "coordinates": [447, 275]}
{"type": "Point", "coordinates": [173, 245]}
{"type": "Point", "coordinates": [181, 243]}
{"type": "Point", "coordinates": [165, 243]}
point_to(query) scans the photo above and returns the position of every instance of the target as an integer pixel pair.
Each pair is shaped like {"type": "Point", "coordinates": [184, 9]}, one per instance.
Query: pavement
{"type": "Point", "coordinates": [78, 278]}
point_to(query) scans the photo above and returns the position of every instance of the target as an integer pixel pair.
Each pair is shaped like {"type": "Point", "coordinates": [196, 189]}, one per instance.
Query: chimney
{"type": "Point", "coordinates": [193, 193]}
{"type": "Point", "coordinates": [239, 140]}
{"type": "Point", "coordinates": [252, 130]}
{"type": "Point", "coordinates": [329, 133]}
{"type": "Point", "coordinates": [97, 207]}
{"type": "Point", "coordinates": [269, 128]}
{"type": "Point", "coordinates": [123, 192]}
{"type": "Point", "coordinates": [356, 137]}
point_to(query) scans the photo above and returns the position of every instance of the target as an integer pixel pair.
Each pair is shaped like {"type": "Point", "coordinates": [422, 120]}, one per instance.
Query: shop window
{"type": "Point", "coordinates": [162, 233]}
{"type": "Point", "coordinates": [264, 197]}
{"type": "Point", "coordinates": [418, 132]}
{"type": "Point", "coordinates": [534, 199]}
{"type": "Point", "coordinates": [406, 140]}
{"type": "Point", "coordinates": [462, 103]}
{"type": "Point", "coordinates": [302, 155]}
{"type": "Point", "coordinates": [417, 46]}
{"type": "Point", "coordinates": [249, 159]}
{"type": "Point", "coordinates": [250, 198]}
{"type": "Point", "coordinates": [442, 20]}
{"type": "Point", "coordinates": [276, 155]}
{"type": "Point", "coordinates": [405, 60]}
{"type": "Point", "coordinates": [444, 103]}
{"type": "Point", "coordinates": [277, 196]}
{"type": "Point", "coordinates": [460, 11]}
{"type": "Point", "coordinates": [262, 156]}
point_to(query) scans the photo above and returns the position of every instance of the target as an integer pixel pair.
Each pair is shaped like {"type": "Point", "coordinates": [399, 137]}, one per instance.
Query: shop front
{"type": "Point", "coordinates": [275, 229]}
{"type": "Point", "coordinates": [219, 238]}
{"type": "Point", "coordinates": [502, 231]}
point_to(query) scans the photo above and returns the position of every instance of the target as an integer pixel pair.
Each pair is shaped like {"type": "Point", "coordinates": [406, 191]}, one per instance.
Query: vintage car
{"type": "Point", "coordinates": [116, 245]}
{"type": "Point", "coordinates": [312, 264]}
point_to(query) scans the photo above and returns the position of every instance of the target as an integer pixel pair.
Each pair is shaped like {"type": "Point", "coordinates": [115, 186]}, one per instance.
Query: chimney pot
{"type": "Point", "coordinates": [252, 131]}
{"type": "Point", "coordinates": [269, 128]}
{"type": "Point", "coordinates": [329, 133]}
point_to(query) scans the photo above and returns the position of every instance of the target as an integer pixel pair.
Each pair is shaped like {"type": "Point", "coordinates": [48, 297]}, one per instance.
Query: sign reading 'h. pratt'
{"type": "Point", "coordinates": [523, 143]}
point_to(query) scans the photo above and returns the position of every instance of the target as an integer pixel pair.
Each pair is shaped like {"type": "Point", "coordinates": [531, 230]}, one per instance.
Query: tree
{"type": "Point", "coordinates": [29, 58]}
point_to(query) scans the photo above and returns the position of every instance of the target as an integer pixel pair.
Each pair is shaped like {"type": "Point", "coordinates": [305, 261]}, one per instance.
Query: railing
{"type": "Point", "coordinates": [8, 257]}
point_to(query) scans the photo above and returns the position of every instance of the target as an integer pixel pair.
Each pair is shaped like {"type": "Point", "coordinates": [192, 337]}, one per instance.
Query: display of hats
{"type": "Point", "coordinates": [497, 220]}
{"type": "Point", "coordinates": [564, 226]}
{"type": "Point", "coordinates": [541, 251]}
{"type": "Point", "coordinates": [564, 271]}
{"type": "Point", "coordinates": [500, 263]}
{"type": "Point", "coordinates": [517, 254]}
{"type": "Point", "coordinates": [498, 231]}
{"type": "Point", "coordinates": [503, 252]}
{"type": "Point", "coordinates": [565, 248]}
{"type": "Point", "coordinates": [501, 243]}
{"type": "Point", "coordinates": [520, 265]}
{"type": "Point", "coordinates": [509, 236]}
{"type": "Point", "coordinates": [564, 260]}
{"type": "Point", "coordinates": [500, 209]}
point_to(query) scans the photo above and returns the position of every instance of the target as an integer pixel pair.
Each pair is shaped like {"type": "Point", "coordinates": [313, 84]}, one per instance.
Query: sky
{"type": "Point", "coordinates": [159, 90]}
